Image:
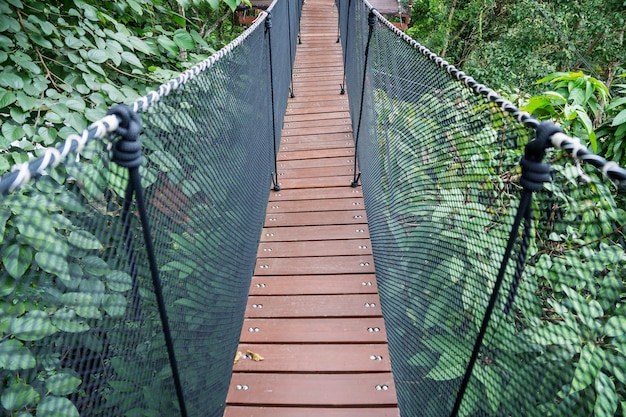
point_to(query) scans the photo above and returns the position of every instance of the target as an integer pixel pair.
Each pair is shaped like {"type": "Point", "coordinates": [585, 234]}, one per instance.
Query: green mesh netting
{"type": "Point", "coordinates": [441, 172]}
{"type": "Point", "coordinates": [80, 332]}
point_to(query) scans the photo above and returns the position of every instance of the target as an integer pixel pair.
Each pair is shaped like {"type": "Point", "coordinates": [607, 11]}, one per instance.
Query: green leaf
{"type": "Point", "coordinates": [34, 325]}
{"type": "Point", "coordinates": [606, 397]}
{"type": "Point", "coordinates": [119, 281]}
{"type": "Point", "coordinates": [7, 98]}
{"type": "Point", "coordinates": [140, 45]}
{"type": "Point", "coordinates": [168, 44]}
{"type": "Point", "coordinates": [86, 304]}
{"type": "Point", "coordinates": [115, 305]}
{"type": "Point", "coordinates": [17, 259]}
{"type": "Point", "coordinates": [114, 93]}
{"type": "Point", "coordinates": [54, 263]}
{"type": "Point", "coordinates": [18, 396]}
{"type": "Point", "coordinates": [7, 285]}
{"type": "Point", "coordinates": [132, 59]}
{"type": "Point", "coordinates": [449, 366]}
{"type": "Point", "coordinates": [14, 356]}
{"type": "Point", "coordinates": [57, 407]}
{"type": "Point", "coordinates": [95, 266]}
{"type": "Point", "coordinates": [591, 360]}
{"type": "Point", "coordinates": [232, 4]}
{"type": "Point", "coordinates": [67, 320]}
{"type": "Point", "coordinates": [615, 326]}
{"type": "Point", "coordinates": [619, 118]}
{"type": "Point", "coordinates": [165, 161]}
{"type": "Point", "coordinates": [12, 132]}
{"type": "Point", "coordinates": [84, 240]}
{"type": "Point", "coordinates": [64, 382]}
{"type": "Point", "coordinates": [76, 104]}
{"type": "Point", "coordinates": [25, 62]}
{"type": "Point", "coordinates": [183, 39]}
{"type": "Point", "coordinates": [579, 304]}
{"type": "Point", "coordinates": [11, 80]}
{"type": "Point", "coordinates": [27, 103]}
{"type": "Point", "coordinates": [616, 103]}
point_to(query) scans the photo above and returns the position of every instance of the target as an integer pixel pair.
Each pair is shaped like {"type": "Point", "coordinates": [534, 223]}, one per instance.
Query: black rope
{"type": "Point", "coordinates": [345, 51]}
{"type": "Point", "coordinates": [534, 174]}
{"type": "Point", "coordinates": [371, 21]}
{"type": "Point", "coordinates": [127, 153]}
{"type": "Point", "coordinates": [338, 5]}
{"type": "Point", "coordinates": [268, 31]}
{"type": "Point", "coordinates": [291, 92]}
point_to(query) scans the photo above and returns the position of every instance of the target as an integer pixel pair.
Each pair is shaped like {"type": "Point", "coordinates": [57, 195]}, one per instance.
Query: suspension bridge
{"type": "Point", "coordinates": [324, 218]}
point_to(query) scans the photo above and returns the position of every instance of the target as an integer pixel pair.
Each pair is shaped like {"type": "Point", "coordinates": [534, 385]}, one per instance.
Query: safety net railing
{"type": "Point", "coordinates": [500, 260]}
{"type": "Point", "coordinates": [126, 264]}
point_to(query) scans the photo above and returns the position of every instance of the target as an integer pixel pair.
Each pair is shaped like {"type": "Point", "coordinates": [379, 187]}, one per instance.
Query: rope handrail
{"type": "Point", "coordinates": [571, 145]}
{"type": "Point", "coordinates": [22, 173]}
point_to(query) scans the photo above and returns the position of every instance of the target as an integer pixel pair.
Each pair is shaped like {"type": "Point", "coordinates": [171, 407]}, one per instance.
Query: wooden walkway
{"type": "Point", "coordinates": [313, 313]}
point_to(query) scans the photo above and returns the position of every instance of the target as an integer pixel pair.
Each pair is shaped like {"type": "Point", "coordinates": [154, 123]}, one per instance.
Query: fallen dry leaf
{"type": "Point", "coordinates": [255, 356]}
{"type": "Point", "coordinates": [237, 357]}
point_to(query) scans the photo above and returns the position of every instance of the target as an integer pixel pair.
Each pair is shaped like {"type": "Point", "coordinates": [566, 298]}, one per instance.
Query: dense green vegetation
{"type": "Point", "coordinates": [514, 46]}
{"type": "Point", "coordinates": [63, 308]}
{"type": "Point", "coordinates": [63, 64]}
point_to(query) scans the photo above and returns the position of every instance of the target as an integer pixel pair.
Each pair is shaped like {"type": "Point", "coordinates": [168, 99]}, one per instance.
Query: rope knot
{"type": "Point", "coordinates": [534, 171]}
{"type": "Point", "coordinates": [268, 21]}
{"type": "Point", "coordinates": [127, 150]}
{"type": "Point", "coordinates": [536, 149]}
{"type": "Point", "coordinates": [371, 18]}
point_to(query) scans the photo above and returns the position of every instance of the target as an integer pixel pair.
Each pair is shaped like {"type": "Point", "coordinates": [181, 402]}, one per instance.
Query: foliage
{"type": "Point", "coordinates": [575, 98]}
{"type": "Point", "coordinates": [451, 184]}
{"type": "Point", "coordinates": [512, 43]}
{"type": "Point", "coordinates": [65, 296]}
{"type": "Point", "coordinates": [612, 132]}
{"type": "Point", "coordinates": [63, 65]}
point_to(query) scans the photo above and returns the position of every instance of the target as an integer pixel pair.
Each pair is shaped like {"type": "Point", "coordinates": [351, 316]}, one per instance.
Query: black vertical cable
{"type": "Point", "coordinates": [371, 21]}
{"type": "Point", "coordinates": [338, 4]}
{"type": "Point", "coordinates": [345, 52]}
{"type": "Point", "coordinates": [127, 153]}
{"type": "Point", "coordinates": [127, 240]}
{"type": "Point", "coordinates": [291, 93]}
{"type": "Point", "coordinates": [268, 27]}
{"type": "Point", "coordinates": [534, 174]}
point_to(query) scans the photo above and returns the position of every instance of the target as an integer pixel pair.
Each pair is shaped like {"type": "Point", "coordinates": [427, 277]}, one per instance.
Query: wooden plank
{"type": "Point", "coordinates": [331, 140]}
{"type": "Point", "coordinates": [299, 233]}
{"type": "Point", "coordinates": [314, 142]}
{"type": "Point", "coordinates": [357, 264]}
{"type": "Point", "coordinates": [316, 154]}
{"type": "Point", "coordinates": [322, 101]}
{"type": "Point", "coordinates": [315, 205]}
{"type": "Point", "coordinates": [315, 218]}
{"type": "Point", "coordinates": [314, 248]}
{"type": "Point", "coordinates": [314, 358]}
{"type": "Point", "coordinates": [316, 163]}
{"type": "Point", "coordinates": [313, 389]}
{"type": "Point", "coordinates": [314, 284]}
{"type": "Point", "coordinates": [322, 182]}
{"type": "Point", "coordinates": [321, 108]}
{"type": "Point", "coordinates": [305, 173]}
{"type": "Point", "coordinates": [321, 117]}
{"type": "Point", "coordinates": [309, 123]}
{"type": "Point", "coordinates": [333, 330]}
{"type": "Point", "coordinates": [242, 411]}
{"type": "Point", "coordinates": [317, 130]}
{"type": "Point", "coordinates": [314, 194]}
{"type": "Point", "coordinates": [344, 305]}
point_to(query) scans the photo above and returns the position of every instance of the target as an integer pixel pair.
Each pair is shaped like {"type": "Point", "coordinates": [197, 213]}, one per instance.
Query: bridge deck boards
{"type": "Point", "coordinates": [313, 312]}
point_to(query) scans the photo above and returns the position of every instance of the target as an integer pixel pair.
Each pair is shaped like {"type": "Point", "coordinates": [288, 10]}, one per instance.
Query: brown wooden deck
{"type": "Point", "coordinates": [313, 312]}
